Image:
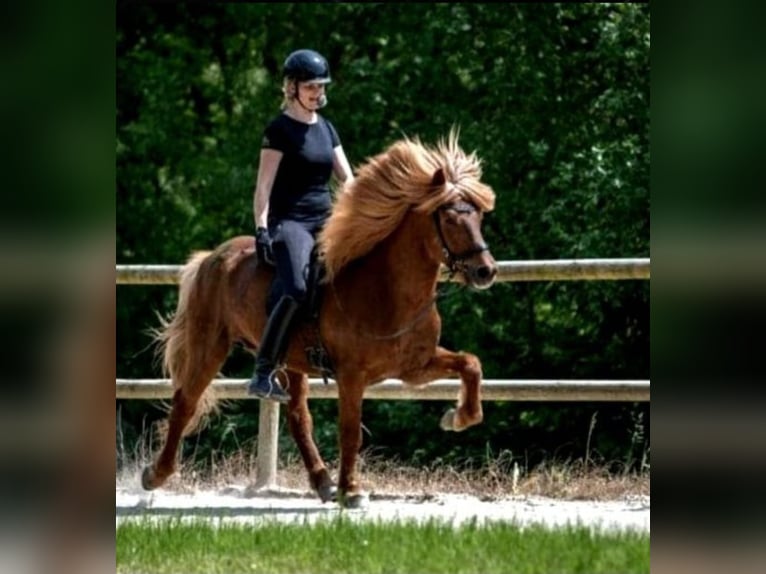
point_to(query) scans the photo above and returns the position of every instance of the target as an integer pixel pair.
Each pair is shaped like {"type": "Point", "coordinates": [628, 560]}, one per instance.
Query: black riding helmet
{"type": "Point", "coordinates": [307, 66]}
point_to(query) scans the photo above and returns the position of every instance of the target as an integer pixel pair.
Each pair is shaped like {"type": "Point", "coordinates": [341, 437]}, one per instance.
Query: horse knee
{"type": "Point", "coordinates": [472, 366]}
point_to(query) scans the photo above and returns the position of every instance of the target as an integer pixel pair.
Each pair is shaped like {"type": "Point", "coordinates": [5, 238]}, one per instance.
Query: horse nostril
{"type": "Point", "coordinates": [486, 272]}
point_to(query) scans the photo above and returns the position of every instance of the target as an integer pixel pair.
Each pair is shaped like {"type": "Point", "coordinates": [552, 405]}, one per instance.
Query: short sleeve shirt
{"type": "Point", "coordinates": [301, 187]}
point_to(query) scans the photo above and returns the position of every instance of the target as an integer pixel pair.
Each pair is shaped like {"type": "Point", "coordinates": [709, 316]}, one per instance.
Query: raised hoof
{"type": "Point", "coordinates": [328, 493]}
{"type": "Point", "coordinates": [148, 479]}
{"type": "Point", "coordinates": [354, 501]}
{"type": "Point", "coordinates": [448, 420]}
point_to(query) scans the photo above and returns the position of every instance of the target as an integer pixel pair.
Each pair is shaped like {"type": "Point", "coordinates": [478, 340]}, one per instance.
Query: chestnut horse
{"type": "Point", "coordinates": [409, 211]}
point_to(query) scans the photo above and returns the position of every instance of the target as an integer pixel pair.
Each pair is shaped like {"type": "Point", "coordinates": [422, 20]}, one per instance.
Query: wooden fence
{"type": "Point", "coordinates": [540, 270]}
{"type": "Point", "coordinates": [442, 389]}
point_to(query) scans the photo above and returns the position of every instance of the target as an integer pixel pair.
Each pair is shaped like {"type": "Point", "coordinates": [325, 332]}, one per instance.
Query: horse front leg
{"type": "Point", "coordinates": [301, 426]}
{"type": "Point", "coordinates": [444, 363]}
{"type": "Point", "coordinates": [350, 396]}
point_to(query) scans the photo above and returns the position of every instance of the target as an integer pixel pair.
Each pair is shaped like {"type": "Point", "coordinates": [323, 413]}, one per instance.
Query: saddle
{"type": "Point", "coordinates": [316, 355]}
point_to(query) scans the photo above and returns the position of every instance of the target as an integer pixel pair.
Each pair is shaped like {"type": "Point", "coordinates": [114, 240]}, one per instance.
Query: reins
{"type": "Point", "coordinates": [454, 262]}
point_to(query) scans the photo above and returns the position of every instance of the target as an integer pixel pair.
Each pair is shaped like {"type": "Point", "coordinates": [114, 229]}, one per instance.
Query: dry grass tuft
{"type": "Point", "coordinates": [498, 479]}
{"type": "Point", "coordinates": [383, 479]}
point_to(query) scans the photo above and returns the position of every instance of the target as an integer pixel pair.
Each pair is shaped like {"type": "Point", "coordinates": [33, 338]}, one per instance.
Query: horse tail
{"type": "Point", "coordinates": [180, 346]}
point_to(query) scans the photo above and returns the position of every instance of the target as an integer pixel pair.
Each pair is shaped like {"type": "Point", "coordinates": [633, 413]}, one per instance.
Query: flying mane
{"type": "Point", "coordinates": [390, 184]}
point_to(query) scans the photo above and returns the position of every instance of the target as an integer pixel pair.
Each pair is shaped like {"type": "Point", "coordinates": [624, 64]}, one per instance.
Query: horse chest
{"type": "Point", "coordinates": [407, 352]}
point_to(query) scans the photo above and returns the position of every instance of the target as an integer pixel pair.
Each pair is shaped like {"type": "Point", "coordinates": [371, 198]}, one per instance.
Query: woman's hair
{"type": "Point", "coordinates": [288, 92]}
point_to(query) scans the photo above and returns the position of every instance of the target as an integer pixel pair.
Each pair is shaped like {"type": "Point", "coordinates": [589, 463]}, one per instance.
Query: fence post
{"type": "Point", "coordinates": [268, 435]}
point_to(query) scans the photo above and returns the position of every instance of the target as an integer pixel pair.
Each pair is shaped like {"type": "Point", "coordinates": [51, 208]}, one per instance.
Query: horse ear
{"type": "Point", "coordinates": [438, 179]}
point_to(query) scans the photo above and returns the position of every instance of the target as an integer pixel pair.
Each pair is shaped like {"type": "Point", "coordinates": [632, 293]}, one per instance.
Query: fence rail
{"type": "Point", "coordinates": [541, 270]}
{"type": "Point", "coordinates": [442, 389]}
{"type": "Point", "coordinates": [438, 390]}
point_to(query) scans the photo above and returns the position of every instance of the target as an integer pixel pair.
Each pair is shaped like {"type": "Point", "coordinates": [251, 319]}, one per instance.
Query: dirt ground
{"type": "Point", "coordinates": [241, 504]}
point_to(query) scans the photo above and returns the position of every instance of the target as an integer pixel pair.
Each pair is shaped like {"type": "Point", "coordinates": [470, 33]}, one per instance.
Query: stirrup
{"type": "Point", "coordinates": [274, 392]}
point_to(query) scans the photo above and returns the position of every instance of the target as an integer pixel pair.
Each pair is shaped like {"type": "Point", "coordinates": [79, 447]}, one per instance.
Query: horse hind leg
{"type": "Point", "coordinates": [301, 427]}
{"type": "Point", "coordinates": [469, 411]}
{"type": "Point", "coordinates": [182, 410]}
{"type": "Point", "coordinates": [189, 404]}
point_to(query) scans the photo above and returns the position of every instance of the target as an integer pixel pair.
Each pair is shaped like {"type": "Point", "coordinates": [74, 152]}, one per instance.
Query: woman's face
{"type": "Point", "coordinates": [311, 94]}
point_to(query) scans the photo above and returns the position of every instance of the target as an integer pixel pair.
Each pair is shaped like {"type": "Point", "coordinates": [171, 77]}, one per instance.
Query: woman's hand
{"type": "Point", "coordinates": [263, 245]}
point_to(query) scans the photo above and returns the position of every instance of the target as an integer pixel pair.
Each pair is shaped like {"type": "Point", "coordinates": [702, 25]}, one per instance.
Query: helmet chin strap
{"type": "Point", "coordinates": [322, 101]}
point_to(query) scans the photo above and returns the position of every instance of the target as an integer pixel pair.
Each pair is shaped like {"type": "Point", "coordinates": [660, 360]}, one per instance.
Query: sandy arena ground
{"type": "Point", "coordinates": [240, 504]}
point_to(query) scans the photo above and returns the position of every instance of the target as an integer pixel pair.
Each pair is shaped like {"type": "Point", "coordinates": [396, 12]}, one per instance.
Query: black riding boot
{"type": "Point", "coordinates": [271, 351]}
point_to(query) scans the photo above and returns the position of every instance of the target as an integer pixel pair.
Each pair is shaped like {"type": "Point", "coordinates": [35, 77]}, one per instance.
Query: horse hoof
{"type": "Point", "coordinates": [148, 481]}
{"type": "Point", "coordinates": [448, 420]}
{"type": "Point", "coordinates": [354, 501]}
{"type": "Point", "coordinates": [328, 493]}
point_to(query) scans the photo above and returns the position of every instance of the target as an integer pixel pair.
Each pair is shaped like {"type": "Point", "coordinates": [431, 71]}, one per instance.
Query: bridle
{"type": "Point", "coordinates": [456, 262]}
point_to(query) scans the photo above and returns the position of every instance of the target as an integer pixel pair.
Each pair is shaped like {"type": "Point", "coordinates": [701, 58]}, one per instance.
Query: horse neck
{"type": "Point", "coordinates": [408, 259]}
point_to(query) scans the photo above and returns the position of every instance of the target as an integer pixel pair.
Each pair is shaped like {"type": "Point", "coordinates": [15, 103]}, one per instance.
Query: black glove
{"type": "Point", "coordinates": [263, 245]}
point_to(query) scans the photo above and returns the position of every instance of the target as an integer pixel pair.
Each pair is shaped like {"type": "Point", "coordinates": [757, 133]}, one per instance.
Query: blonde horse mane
{"type": "Point", "coordinates": [388, 185]}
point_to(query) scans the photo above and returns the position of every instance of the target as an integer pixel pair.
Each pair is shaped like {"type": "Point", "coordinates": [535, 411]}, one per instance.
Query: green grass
{"type": "Point", "coordinates": [342, 545]}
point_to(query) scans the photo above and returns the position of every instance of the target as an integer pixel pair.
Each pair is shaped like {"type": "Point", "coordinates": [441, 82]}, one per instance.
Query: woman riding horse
{"type": "Point", "coordinates": [411, 211]}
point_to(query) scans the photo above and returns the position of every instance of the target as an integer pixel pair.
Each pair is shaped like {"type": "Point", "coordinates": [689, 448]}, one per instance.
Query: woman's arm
{"type": "Point", "coordinates": [267, 172]}
{"type": "Point", "coordinates": [340, 166]}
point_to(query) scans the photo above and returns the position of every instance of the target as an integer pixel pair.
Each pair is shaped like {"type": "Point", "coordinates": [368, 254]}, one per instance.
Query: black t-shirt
{"type": "Point", "coordinates": [301, 187]}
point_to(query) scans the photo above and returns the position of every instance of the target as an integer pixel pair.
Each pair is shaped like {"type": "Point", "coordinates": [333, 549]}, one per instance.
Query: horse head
{"type": "Point", "coordinates": [458, 227]}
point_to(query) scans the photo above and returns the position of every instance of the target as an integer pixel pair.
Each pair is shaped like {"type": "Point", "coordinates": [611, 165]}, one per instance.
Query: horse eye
{"type": "Point", "coordinates": [451, 215]}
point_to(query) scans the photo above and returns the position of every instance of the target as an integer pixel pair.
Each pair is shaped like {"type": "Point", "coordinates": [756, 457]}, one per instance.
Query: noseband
{"type": "Point", "coordinates": [456, 261]}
